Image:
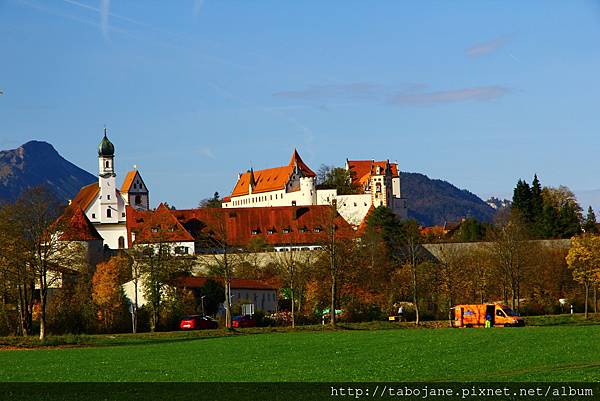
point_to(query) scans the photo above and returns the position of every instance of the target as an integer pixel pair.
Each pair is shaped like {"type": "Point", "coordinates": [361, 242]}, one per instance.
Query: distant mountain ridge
{"type": "Point", "coordinates": [430, 201]}
{"type": "Point", "coordinates": [38, 163]}
{"type": "Point", "coordinates": [435, 202]}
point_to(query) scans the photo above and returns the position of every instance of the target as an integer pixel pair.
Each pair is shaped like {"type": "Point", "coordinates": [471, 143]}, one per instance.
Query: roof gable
{"type": "Point", "coordinates": [156, 226]}
{"type": "Point", "coordinates": [130, 179]}
{"type": "Point", "coordinates": [75, 226]}
{"type": "Point", "coordinates": [271, 179]}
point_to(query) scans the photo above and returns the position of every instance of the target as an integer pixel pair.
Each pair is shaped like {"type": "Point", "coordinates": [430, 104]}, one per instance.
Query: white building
{"type": "Point", "coordinates": [105, 205]}
{"type": "Point", "coordinates": [295, 185]}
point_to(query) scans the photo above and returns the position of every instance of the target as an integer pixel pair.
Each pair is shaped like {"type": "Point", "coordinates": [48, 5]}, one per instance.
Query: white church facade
{"type": "Point", "coordinates": [295, 184]}
{"type": "Point", "coordinates": [105, 205]}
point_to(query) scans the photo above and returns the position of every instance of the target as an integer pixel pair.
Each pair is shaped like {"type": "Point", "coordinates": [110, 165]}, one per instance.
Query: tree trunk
{"type": "Point", "coordinates": [134, 307]}
{"type": "Point", "coordinates": [43, 297]}
{"type": "Point", "coordinates": [293, 308]}
{"type": "Point", "coordinates": [587, 294]}
{"type": "Point", "coordinates": [333, 295]}
{"type": "Point", "coordinates": [595, 299]}
{"type": "Point", "coordinates": [414, 285]}
{"type": "Point", "coordinates": [227, 290]}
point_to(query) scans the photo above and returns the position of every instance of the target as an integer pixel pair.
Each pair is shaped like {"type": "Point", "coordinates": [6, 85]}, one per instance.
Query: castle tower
{"type": "Point", "coordinates": [109, 210]}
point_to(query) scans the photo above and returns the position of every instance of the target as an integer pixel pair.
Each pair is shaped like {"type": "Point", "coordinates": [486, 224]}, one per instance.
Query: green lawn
{"type": "Point", "coordinates": [548, 353]}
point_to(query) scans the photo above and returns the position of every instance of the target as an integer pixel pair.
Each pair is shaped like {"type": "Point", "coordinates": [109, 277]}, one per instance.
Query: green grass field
{"type": "Point", "coordinates": [556, 352]}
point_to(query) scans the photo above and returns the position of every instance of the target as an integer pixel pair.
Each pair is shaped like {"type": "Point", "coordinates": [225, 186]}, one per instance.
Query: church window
{"type": "Point", "coordinates": [138, 199]}
{"type": "Point", "coordinates": [108, 213]}
{"type": "Point", "coordinates": [121, 242]}
{"type": "Point", "coordinates": [107, 164]}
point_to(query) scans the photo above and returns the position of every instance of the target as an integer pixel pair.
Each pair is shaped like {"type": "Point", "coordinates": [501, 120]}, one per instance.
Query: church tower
{"type": "Point", "coordinates": [109, 207]}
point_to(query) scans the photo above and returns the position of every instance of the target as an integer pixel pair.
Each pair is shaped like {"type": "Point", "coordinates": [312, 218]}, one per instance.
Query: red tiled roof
{"type": "Point", "coordinates": [236, 283]}
{"type": "Point", "coordinates": [155, 226]}
{"type": "Point", "coordinates": [270, 179]}
{"type": "Point", "coordinates": [86, 196]}
{"type": "Point", "coordinates": [75, 226]}
{"type": "Point", "coordinates": [363, 169]}
{"type": "Point", "coordinates": [282, 225]}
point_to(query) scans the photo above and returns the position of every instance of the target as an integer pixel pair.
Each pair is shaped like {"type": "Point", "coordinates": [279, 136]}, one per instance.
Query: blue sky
{"type": "Point", "coordinates": [479, 93]}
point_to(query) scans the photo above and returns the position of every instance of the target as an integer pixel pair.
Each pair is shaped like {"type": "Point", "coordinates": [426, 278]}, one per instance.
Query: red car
{"type": "Point", "coordinates": [243, 321]}
{"type": "Point", "coordinates": [198, 322]}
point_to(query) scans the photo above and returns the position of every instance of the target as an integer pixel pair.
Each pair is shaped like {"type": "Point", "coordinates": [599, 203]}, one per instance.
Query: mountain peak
{"type": "Point", "coordinates": [38, 163]}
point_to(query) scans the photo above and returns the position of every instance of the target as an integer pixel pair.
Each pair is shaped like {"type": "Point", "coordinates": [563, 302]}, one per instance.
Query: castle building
{"type": "Point", "coordinates": [105, 205]}
{"type": "Point", "coordinates": [377, 183]}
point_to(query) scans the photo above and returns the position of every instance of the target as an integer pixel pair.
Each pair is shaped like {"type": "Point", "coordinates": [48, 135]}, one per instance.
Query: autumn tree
{"type": "Point", "coordinates": [293, 267]}
{"type": "Point", "coordinates": [216, 201]}
{"type": "Point", "coordinates": [107, 291]}
{"type": "Point", "coordinates": [338, 178]}
{"type": "Point", "coordinates": [158, 266]}
{"type": "Point", "coordinates": [512, 251]}
{"type": "Point", "coordinates": [584, 261]}
{"type": "Point", "coordinates": [39, 251]}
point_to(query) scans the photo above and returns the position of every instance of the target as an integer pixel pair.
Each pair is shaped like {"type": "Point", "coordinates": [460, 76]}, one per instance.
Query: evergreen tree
{"type": "Point", "coordinates": [537, 207]}
{"type": "Point", "coordinates": [549, 226]}
{"type": "Point", "coordinates": [569, 224]}
{"type": "Point", "coordinates": [521, 202]}
{"type": "Point", "coordinates": [589, 224]}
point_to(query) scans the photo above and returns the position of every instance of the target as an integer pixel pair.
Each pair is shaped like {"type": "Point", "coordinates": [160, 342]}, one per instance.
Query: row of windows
{"type": "Point", "coordinates": [108, 214]}
{"type": "Point", "coordinates": [255, 199]}
{"type": "Point", "coordinates": [286, 230]}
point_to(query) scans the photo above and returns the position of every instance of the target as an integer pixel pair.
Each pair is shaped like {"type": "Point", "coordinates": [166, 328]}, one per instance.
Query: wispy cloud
{"type": "Point", "coordinates": [403, 95]}
{"type": "Point", "coordinates": [354, 90]}
{"type": "Point", "coordinates": [104, 14]}
{"type": "Point", "coordinates": [207, 152]}
{"type": "Point", "coordinates": [479, 49]}
{"type": "Point", "coordinates": [197, 8]}
{"type": "Point", "coordinates": [478, 93]}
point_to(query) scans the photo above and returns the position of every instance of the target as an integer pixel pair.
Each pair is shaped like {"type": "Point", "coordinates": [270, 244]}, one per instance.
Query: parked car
{"type": "Point", "coordinates": [198, 322]}
{"type": "Point", "coordinates": [243, 321]}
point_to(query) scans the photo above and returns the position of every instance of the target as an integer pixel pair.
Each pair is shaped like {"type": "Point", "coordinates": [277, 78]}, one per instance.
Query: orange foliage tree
{"type": "Point", "coordinates": [107, 292]}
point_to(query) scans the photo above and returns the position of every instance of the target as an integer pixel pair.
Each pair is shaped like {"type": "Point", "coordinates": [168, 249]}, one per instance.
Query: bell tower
{"type": "Point", "coordinates": [109, 211]}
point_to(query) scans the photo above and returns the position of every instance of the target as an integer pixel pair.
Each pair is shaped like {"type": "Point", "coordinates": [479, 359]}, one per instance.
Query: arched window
{"type": "Point", "coordinates": [108, 213]}
{"type": "Point", "coordinates": [138, 199]}
{"type": "Point", "coordinates": [121, 242]}
{"type": "Point", "coordinates": [107, 164]}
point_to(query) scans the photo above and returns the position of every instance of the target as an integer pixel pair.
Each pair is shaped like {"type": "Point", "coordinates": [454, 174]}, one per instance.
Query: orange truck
{"type": "Point", "coordinates": [476, 316]}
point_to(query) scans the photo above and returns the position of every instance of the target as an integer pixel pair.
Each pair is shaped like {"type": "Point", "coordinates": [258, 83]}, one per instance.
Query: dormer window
{"type": "Point", "coordinates": [286, 230]}
{"type": "Point", "coordinates": [302, 229]}
{"type": "Point", "coordinates": [317, 229]}
{"type": "Point", "coordinates": [271, 231]}
{"type": "Point", "coordinates": [154, 229]}
{"type": "Point", "coordinates": [255, 231]}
